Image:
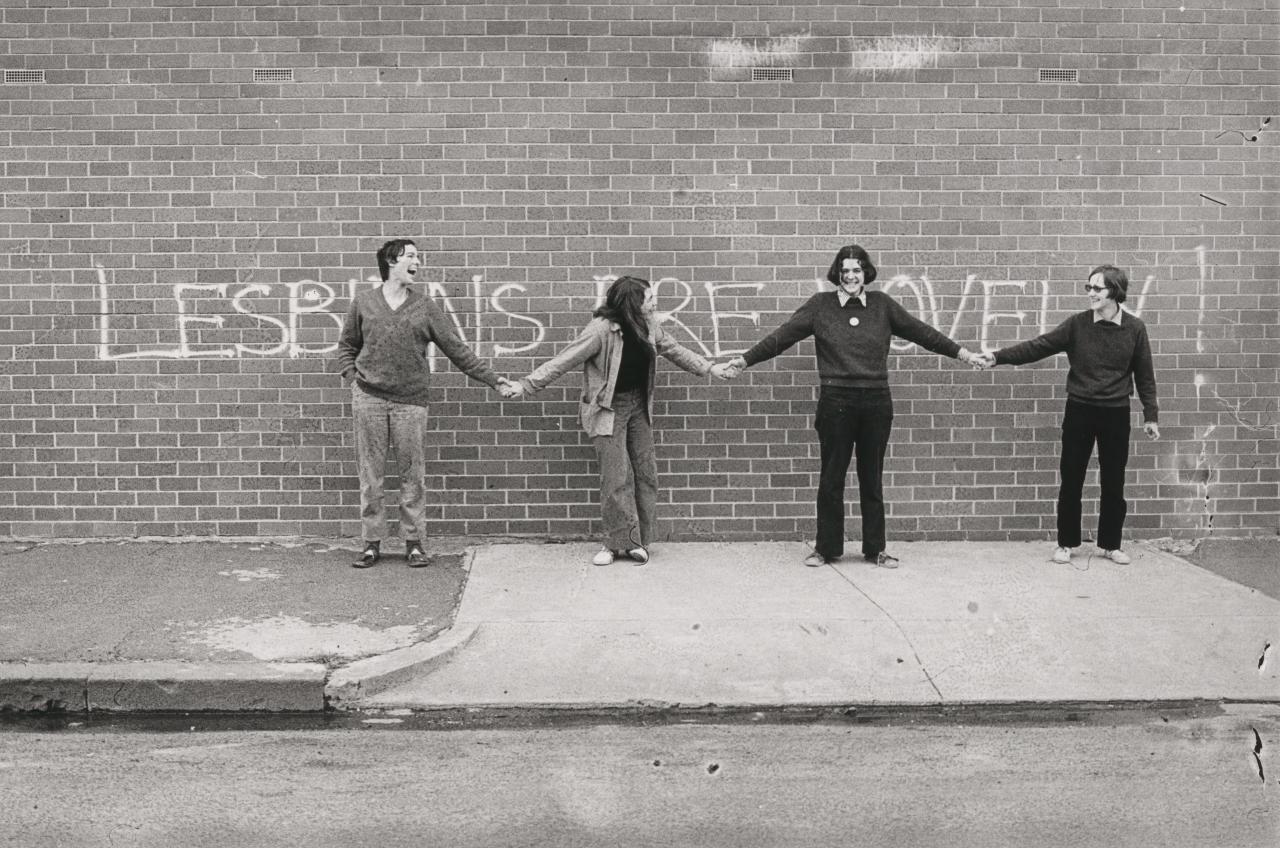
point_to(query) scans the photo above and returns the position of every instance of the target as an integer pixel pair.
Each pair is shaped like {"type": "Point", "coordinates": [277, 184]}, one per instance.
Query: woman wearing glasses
{"type": "Point", "coordinates": [1109, 353]}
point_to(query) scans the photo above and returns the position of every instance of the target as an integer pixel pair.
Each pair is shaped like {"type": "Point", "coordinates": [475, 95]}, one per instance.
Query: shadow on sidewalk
{"type": "Point", "coordinates": [1252, 562]}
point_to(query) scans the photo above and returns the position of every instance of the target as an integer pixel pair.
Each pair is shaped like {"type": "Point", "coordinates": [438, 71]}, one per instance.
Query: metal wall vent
{"type": "Point", "coordinates": [771, 74]}
{"type": "Point", "coordinates": [1059, 75]}
{"type": "Point", "coordinates": [24, 76]}
{"type": "Point", "coordinates": [273, 74]}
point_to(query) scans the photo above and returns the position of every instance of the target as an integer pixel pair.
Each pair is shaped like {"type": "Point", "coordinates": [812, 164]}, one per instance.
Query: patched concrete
{"type": "Point", "coordinates": [209, 601]}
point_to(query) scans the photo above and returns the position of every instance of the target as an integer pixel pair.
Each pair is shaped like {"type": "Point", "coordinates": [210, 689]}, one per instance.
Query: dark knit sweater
{"type": "Point", "coordinates": [851, 355]}
{"type": "Point", "coordinates": [1106, 360]}
{"type": "Point", "coordinates": [386, 351]}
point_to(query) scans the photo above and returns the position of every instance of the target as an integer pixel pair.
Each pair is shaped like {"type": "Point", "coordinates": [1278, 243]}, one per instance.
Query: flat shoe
{"type": "Point", "coordinates": [368, 558]}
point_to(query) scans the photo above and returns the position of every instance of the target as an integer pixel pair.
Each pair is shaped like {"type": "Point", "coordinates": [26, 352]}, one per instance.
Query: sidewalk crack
{"type": "Point", "coordinates": [915, 653]}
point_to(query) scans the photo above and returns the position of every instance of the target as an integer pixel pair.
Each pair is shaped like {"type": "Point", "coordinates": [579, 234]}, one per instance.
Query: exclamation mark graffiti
{"type": "Point", "coordinates": [478, 296]}
{"type": "Point", "coordinates": [1204, 272]}
{"type": "Point", "coordinates": [1142, 297]}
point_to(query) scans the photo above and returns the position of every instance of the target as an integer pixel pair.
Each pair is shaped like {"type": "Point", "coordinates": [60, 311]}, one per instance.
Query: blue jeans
{"type": "Point", "coordinates": [628, 474]}
{"type": "Point", "coordinates": [381, 424]}
{"type": "Point", "coordinates": [852, 422]}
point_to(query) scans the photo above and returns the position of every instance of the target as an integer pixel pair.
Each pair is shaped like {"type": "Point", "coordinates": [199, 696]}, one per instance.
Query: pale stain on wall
{"type": "Point", "coordinates": [903, 53]}
{"type": "Point", "coordinates": [768, 53]}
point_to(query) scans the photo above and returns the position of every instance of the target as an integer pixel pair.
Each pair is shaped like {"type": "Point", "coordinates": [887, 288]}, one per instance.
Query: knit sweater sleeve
{"type": "Point", "coordinates": [1056, 340]}
{"type": "Point", "coordinates": [911, 328]}
{"type": "Point", "coordinates": [796, 328]}
{"type": "Point", "coordinates": [1144, 376]}
{"type": "Point", "coordinates": [452, 346]}
{"type": "Point", "coordinates": [350, 341]}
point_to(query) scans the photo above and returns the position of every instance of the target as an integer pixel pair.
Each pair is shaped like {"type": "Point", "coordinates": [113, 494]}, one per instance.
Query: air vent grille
{"type": "Point", "coordinates": [273, 74]}
{"type": "Point", "coordinates": [771, 74]}
{"type": "Point", "coordinates": [24, 77]}
{"type": "Point", "coordinates": [1059, 75]}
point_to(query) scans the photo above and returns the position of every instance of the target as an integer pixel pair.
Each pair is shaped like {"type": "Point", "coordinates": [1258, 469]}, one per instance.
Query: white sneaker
{"type": "Point", "coordinates": [638, 555]}
{"type": "Point", "coordinates": [604, 557]}
{"type": "Point", "coordinates": [1117, 556]}
{"type": "Point", "coordinates": [1062, 555]}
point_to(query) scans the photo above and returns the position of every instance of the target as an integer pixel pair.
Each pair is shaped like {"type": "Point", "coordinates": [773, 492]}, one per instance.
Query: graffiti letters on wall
{"type": "Point", "coordinates": [204, 315]}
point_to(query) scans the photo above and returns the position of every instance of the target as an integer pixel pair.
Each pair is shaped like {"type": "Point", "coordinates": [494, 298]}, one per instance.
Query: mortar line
{"type": "Point", "coordinates": [901, 630]}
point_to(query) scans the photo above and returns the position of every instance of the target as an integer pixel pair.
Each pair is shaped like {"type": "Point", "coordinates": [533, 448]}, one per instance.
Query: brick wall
{"type": "Point", "coordinates": [178, 242]}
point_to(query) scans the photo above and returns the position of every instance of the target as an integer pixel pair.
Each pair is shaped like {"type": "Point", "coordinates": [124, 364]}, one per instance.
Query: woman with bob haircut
{"type": "Point", "coordinates": [617, 351]}
{"type": "Point", "coordinates": [852, 328]}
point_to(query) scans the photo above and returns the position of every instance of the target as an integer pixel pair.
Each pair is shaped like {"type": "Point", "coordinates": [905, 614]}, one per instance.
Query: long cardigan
{"type": "Point", "coordinates": [598, 349]}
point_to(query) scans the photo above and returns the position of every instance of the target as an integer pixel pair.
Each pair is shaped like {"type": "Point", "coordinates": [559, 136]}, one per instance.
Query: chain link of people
{"type": "Point", "coordinates": [382, 353]}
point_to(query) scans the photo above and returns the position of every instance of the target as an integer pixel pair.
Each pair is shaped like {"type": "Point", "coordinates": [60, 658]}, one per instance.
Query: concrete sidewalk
{"type": "Point", "coordinates": [745, 625]}
{"type": "Point", "coordinates": [206, 625]}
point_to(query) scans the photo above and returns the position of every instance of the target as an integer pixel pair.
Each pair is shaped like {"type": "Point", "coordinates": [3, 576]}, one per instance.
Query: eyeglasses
{"type": "Point", "coordinates": [1090, 288]}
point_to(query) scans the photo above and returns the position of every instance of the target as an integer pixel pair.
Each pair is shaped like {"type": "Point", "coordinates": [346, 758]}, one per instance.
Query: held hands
{"type": "Point", "coordinates": [1152, 429]}
{"type": "Point", "coordinates": [730, 370]}
{"type": "Point", "coordinates": [979, 361]}
{"type": "Point", "coordinates": [509, 390]}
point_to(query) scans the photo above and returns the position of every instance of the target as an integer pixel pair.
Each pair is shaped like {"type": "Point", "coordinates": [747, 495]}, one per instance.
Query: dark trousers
{"type": "Point", "coordinates": [852, 423]}
{"type": "Point", "coordinates": [1082, 426]}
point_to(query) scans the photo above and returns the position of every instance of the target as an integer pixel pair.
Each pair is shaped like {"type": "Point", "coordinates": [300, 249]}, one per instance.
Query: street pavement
{"type": "Point", "coordinates": [516, 625]}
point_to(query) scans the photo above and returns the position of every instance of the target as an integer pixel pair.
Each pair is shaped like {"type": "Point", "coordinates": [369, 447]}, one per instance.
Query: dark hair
{"type": "Point", "coordinates": [851, 251]}
{"type": "Point", "coordinates": [390, 253]}
{"type": "Point", "coordinates": [1116, 281]}
{"type": "Point", "coordinates": [624, 303]}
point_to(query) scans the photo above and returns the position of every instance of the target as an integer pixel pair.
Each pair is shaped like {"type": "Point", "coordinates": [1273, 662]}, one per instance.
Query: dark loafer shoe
{"type": "Point", "coordinates": [368, 557]}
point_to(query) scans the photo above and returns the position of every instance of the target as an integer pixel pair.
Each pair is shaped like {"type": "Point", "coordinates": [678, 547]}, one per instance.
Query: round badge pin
{"type": "Point", "coordinates": [853, 322]}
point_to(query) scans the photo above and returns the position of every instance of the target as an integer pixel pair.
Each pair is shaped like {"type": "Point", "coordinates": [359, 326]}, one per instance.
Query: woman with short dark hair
{"type": "Point", "coordinates": [852, 328]}
{"type": "Point", "coordinates": [1109, 354]}
{"type": "Point", "coordinates": [382, 353]}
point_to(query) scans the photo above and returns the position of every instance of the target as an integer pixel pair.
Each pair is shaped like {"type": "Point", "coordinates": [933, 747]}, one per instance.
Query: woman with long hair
{"type": "Point", "coordinates": [617, 351]}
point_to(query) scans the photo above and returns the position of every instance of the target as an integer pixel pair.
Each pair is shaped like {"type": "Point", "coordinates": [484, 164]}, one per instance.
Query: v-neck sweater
{"type": "Point", "coordinates": [852, 341]}
{"type": "Point", "coordinates": [385, 349]}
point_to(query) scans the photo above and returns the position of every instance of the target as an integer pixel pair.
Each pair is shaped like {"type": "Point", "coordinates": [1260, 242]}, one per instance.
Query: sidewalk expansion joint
{"type": "Point", "coordinates": [915, 653]}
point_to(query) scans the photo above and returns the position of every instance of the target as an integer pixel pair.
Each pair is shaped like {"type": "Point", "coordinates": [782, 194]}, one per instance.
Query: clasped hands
{"type": "Point", "coordinates": [730, 370]}
{"type": "Point", "coordinates": [979, 361]}
{"type": "Point", "coordinates": [509, 390]}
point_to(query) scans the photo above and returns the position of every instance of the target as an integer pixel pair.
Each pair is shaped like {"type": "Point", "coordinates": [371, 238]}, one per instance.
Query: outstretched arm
{"type": "Point", "coordinates": [796, 328]}
{"type": "Point", "coordinates": [1056, 340]}
{"type": "Point", "coordinates": [678, 354]}
{"type": "Point", "coordinates": [588, 343]}
{"type": "Point", "coordinates": [911, 328]}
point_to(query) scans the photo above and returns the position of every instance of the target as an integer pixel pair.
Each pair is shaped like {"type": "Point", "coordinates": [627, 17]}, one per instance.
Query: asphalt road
{"type": "Point", "coordinates": [1206, 778]}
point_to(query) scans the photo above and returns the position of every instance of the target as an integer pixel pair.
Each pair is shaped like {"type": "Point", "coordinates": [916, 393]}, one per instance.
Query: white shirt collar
{"type": "Point", "coordinates": [845, 298]}
{"type": "Point", "coordinates": [1114, 320]}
